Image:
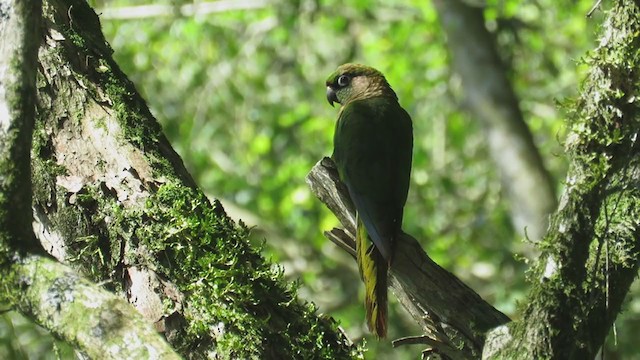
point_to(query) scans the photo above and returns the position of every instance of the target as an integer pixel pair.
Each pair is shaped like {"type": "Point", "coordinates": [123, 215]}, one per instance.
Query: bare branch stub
{"type": "Point", "coordinates": [454, 318]}
{"type": "Point", "coordinates": [326, 186]}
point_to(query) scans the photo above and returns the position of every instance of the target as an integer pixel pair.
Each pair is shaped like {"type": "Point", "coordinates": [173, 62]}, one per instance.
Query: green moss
{"type": "Point", "coordinates": [15, 188]}
{"type": "Point", "coordinates": [9, 294]}
{"type": "Point", "coordinates": [77, 217]}
{"type": "Point", "coordinates": [231, 291]}
{"type": "Point", "coordinates": [81, 27]}
{"type": "Point", "coordinates": [593, 234]}
{"type": "Point", "coordinates": [43, 173]}
{"type": "Point", "coordinates": [140, 128]}
{"type": "Point", "coordinates": [229, 283]}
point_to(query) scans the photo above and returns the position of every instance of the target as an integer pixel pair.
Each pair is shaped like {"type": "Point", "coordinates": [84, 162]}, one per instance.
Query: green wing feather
{"type": "Point", "coordinates": [372, 149]}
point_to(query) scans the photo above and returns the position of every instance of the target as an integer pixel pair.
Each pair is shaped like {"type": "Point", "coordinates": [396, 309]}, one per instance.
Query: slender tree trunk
{"type": "Point", "coordinates": [19, 21]}
{"type": "Point", "coordinates": [490, 97]}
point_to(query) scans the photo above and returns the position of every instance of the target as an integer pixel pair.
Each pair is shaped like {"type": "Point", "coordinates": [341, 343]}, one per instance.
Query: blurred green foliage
{"type": "Point", "coordinates": [240, 94]}
{"type": "Point", "coordinates": [20, 339]}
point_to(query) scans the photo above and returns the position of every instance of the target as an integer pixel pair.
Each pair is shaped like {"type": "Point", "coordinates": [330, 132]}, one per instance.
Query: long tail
{"type": "Point", "coordinates": [373, 271]}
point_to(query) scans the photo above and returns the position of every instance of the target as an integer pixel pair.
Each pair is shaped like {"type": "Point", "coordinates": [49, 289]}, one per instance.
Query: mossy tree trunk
{"type": "Point", "coordinates": [99, 323]}
{"type": "Point", "coordinates": [112, 199]}
{"type": "Point", "coordinates": [590, 255]}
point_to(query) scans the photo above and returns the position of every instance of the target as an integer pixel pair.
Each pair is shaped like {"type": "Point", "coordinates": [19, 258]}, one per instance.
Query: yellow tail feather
{"type": "Point", "coordinates": [373, 271]}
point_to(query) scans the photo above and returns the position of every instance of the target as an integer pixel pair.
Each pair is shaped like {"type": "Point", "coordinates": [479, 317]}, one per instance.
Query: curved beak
{"type": "Point", "coordinates": [331, 96]}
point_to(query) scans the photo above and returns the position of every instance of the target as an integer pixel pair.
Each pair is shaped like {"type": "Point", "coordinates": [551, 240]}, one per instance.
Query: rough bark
{"type": "Point", "coordinates": [48, 292]}
{"type": "Point", "coordinates": [98, 323]}
{"type": "Point", "coordinates": [113, 199]}
{"type": "Point", "coordinates": [590, 255]}
{"type": "Point", "coordinates": [109, 202]}
{"type": "Point", "coordinates": [453, 317]}
{"type": "Point", "coordinates": [491, 99]}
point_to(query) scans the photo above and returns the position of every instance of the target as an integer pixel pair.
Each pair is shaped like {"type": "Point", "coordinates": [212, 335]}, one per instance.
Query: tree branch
{"type": "Point", "coordinates": [200, 8]}
{"type": "Point", "coordinates": [453, 317]}
{"type": "Point", "coordinates": [590, 255]}
{"type": "Point", "coordinates": [99, 323]}
{"type": "Point", "coordinates": [491, 98]}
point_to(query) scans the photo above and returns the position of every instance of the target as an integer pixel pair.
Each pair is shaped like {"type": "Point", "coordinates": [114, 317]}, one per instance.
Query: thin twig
{"type": "Point", "coordinates": [152, 11]}
{"type": "Point", "coordinates": [594, 8]}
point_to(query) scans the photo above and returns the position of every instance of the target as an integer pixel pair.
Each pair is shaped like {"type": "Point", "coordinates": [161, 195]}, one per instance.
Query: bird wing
{"type": "Point", "coordinates": [373, 149]}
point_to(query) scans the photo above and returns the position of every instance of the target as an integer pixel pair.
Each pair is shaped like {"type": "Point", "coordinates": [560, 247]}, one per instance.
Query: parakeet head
{"type": "Point", "coordinates": [352, 82]}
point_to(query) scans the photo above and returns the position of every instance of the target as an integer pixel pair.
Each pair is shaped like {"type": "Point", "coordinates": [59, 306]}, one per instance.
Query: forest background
{"type": "Point", "coordinates": [239, 90]}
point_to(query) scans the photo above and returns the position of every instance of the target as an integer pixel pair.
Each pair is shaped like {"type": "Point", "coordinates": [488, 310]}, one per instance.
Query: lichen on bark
{"type": "Point", "coordinates": [589, 256]}
{"type": "Point", "coordinates": [115, 200]}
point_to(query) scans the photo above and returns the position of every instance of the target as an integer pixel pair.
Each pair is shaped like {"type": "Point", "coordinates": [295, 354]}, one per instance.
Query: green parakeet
{"type": "Point", "coordinates": [373, 145]}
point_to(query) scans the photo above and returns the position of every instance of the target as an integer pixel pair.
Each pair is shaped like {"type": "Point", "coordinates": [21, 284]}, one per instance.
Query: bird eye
{"type": "Point", "coordinates": [343, 80]}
